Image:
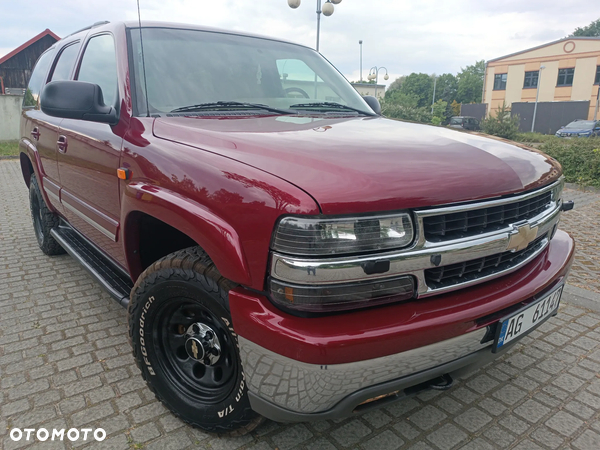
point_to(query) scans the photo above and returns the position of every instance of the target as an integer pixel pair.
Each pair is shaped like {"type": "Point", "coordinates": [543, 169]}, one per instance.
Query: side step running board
{"type": "Point", "coordinates": [113, 279]}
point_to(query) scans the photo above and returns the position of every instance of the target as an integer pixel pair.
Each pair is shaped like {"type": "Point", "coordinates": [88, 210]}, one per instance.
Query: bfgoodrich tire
{"type": "Point", "coordinates": [184, 344]}
{"type": "Point", "coordinates": [43, 220]}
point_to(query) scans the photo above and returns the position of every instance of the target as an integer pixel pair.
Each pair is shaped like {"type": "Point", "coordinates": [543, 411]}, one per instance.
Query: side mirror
{"type": "Point", "coordinates": [77, 100]}
{"type": "Point", "coordinates": [373, 103]}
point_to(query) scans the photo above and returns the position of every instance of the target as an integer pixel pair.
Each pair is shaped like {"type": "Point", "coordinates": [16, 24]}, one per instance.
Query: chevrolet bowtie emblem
{"type": "Point", "coordinates": [195, 349]}
{"type": "Point", "coordinates": [521, 237]}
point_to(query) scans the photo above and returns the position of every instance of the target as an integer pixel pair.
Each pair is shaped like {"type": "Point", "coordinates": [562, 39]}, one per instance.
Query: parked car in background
{"type": "Point", "coordinates": [580, 128]}
{"type": "Point", "coordinates": [464, 122]}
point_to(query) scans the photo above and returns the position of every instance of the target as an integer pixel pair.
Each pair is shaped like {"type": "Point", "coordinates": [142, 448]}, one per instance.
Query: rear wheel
{"type": "Point", "coordinates": [185, 346]}
{"type": "Point", "coordinates": [43, 220]}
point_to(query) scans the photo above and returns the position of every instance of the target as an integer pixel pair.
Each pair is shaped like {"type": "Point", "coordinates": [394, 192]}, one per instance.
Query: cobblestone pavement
{"type": "Point", "coordinates": [65, 362]}
{"type": "Point", "coordinates": [584, 224]}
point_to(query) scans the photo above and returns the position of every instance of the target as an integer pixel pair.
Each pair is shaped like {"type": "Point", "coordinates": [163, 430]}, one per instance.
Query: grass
{"type": "Point", "coordinates": [9, 148]}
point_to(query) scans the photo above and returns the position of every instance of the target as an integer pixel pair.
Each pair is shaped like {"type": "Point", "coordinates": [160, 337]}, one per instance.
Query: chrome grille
{"type": "Point", "coordinates": [457, 225]}
{"type": "Point", "coordinates": [445, 276]}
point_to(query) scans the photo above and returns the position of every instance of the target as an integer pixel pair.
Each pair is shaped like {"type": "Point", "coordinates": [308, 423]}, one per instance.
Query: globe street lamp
{"type": "Point", "coordinates": [374, 75]}
{"type": "Point", "coordinates": [327, 10]}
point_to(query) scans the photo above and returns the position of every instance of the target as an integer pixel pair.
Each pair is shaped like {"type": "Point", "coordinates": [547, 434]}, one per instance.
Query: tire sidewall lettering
{"type": "Point", "coordinates": [142, 341]}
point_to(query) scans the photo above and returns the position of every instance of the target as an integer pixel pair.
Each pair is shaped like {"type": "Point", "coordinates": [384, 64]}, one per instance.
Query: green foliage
{"type": "Point", "coordinates": [419, 86]}
{"type": "Point", "coordinates": [397, 83]}
{"type": "Point", "coordinates": [593, 29]}
{"type": "Point", "coordinates": [502, 124]}
{"type": "Point", "coordinates": [580, 158]}
{"type": "Point", "coordinates": [9, 148]}
{"type": "Point", "coordinates": [404, 107]}
{"type": "Point", "coordinates": [455, 108]}
{"type": "Point", "coordinates": [529, 137]}
{"type": "Point", "coordinates": [446, 87]}
{"type": "Point", "coordinates": [470, 83]}
{"type": "Point", "coordinates": [439, 112]}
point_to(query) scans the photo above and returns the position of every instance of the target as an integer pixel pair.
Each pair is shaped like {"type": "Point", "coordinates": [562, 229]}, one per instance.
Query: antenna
{"type": "Point", "coordinates": [143, 60]}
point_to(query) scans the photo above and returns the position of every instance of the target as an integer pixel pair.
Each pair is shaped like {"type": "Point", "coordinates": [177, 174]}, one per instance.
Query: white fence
{"type": "Point", "coordinates": [10, 114]}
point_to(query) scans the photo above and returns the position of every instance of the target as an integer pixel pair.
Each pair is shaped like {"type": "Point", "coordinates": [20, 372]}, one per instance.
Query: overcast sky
{"type": "Point", "coordinates": [418, 36]}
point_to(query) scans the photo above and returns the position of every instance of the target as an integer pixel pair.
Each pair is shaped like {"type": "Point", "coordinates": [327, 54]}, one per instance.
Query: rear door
{"type": "Point", "coordinates": [90, 155]}
{"type": "Point", "coordinates": [39, 131]}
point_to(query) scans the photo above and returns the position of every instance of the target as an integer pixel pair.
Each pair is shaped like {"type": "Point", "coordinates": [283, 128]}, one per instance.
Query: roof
{"type": "Point", "coordinates": [569, 38]}
{"type": "Point", "coordinates": [33, 40]}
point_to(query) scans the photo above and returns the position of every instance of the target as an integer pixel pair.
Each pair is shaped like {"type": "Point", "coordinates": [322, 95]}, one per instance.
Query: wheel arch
{"type": "Point", "coordinates": [182, 218]}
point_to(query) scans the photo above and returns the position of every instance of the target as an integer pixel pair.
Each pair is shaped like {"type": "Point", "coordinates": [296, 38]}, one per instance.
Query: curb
{"type": "Point", "coordinates": [582, 297]}
{"type": "Point", "coordinates": [8, 157]}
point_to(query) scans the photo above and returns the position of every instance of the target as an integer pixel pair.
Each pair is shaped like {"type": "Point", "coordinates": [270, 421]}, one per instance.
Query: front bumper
{"type": "Point", "coordinates": [324, 367]}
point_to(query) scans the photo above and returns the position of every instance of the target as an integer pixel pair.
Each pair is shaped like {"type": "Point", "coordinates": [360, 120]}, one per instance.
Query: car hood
{"type": "Point", "coordinates": [364, 164]}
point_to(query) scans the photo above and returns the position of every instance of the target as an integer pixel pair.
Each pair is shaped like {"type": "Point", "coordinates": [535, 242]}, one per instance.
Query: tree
{"type": "Point", "coordinates": [455, 108]}
{"type": "Point", "coordinates": [446, 87]}
{"type": "Point", "coordinates": [502, 124]}
{"type": "Point", "coordinates": [439, 112]}
{"type": "Point", "coordinates": [593, 29]}
{"type": "Point", "coordinates": [470, 83]}
{"type": "Point", "coordinates": [419, 86]}
{"type": "Point", "coordinates": [396, 84]}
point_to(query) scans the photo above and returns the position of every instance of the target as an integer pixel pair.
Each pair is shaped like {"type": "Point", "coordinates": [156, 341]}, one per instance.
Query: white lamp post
{"type": "Point", "coordinates": [327, 10]}
{"type": "Point", "coordinates": [537, 93]}
{"type": "Point", "coordinates": [360, 43]}
{"type": "Point", "coordinates": [374, 75]}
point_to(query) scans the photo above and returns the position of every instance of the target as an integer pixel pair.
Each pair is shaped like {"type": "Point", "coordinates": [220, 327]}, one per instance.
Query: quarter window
{"type": "Point", "coordinates": [565, 77]}
{"type": "Point", "coordinates": [531, 79]}
{"type": "Point", "coordinates": [500, 82]}
{"type": "Point", "coordinates": [65, 63]}
{"type": "Point", "coordinates": [37, 80]}
{"type": "Point", "coordinates": [99, 66]}
{"type": "Point", "coordinates": [597, 75]}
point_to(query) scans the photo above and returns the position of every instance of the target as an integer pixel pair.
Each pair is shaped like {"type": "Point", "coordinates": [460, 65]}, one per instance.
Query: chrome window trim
{"type": "Point", "coordinates": [417, 258]}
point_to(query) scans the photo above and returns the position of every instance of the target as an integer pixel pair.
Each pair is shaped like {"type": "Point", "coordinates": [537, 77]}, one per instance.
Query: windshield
{"type": "Point", "coordinates": [581, 125]}
{"type": "Point", "coordinates": [188, 67]}
{"type": "Point", "coordinates": [456, 121]}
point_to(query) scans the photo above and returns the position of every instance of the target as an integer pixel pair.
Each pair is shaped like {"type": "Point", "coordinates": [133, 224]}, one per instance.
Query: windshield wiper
{"type": "Point", "coordinates": [330, 105]}
{"type": "Point", "coordinates": [229, 106]}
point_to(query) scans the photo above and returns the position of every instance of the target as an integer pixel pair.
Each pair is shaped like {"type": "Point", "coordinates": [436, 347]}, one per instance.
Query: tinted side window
{"type": "Point", "coordinates": [99, 66]}
{"type": "Point", "coordinates": [37, 80]}
{"type": "Point", "coordinates": [65, 63]}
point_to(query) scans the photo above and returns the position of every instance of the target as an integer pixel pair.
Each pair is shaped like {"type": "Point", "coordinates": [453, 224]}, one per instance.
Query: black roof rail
{"type": "Point", "coordinates": [94, 25]}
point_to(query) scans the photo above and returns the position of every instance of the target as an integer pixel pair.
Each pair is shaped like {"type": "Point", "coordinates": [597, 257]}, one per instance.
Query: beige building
{"type": "Point", "coordinates": [566, 70]}
{"type": "Point", "coordinates": [369, 89]}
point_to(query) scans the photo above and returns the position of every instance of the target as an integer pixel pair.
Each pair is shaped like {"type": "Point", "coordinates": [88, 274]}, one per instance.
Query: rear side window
{"type": "Point", "coordinates": [65, 63]}
{"type": "Point", "coordinates": [99, 66]}
{"type": "Point", "coordinates": [37, 80]}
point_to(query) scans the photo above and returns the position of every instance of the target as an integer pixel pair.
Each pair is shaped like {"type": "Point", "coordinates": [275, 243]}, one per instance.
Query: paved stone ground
{"type": "Point", "coordinates": [65, 362]}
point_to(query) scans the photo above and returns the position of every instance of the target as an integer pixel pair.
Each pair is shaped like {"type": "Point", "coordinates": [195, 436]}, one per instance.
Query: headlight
{"type": "Point", "coordinates": [587, 133]}
{"type": "Point", "coordinates": [334, 236]}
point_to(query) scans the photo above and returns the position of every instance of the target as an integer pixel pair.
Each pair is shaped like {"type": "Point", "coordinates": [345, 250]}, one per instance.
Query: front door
{"type": "Point", "coordinates": [89, 154]}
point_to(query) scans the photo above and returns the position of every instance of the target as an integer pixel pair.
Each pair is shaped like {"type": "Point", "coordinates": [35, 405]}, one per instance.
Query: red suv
{"type": "Point", "coordinates": [299, 258]}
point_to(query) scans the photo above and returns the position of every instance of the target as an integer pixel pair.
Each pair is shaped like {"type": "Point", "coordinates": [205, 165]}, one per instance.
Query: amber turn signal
{"type": "Point", "coordinates": [124, 174]}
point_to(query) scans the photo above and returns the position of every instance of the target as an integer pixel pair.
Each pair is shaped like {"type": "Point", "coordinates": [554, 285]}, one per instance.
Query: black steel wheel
{"type": "Point", "coordinates": [43, 220]}
{"type": "Point", "coordinates": [185, 346]}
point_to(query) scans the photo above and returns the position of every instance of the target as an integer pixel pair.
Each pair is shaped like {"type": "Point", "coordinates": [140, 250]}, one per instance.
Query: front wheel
{"type": "Point", "coordinates": [185, 346]}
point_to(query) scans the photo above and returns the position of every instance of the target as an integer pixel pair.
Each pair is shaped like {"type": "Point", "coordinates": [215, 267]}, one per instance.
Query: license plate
{"type": "Point", "coordinates": [526, 319]}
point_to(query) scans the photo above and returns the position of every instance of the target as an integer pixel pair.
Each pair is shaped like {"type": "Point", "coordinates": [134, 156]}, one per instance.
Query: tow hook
{"type": "Point", "coordinates": [442, 383]}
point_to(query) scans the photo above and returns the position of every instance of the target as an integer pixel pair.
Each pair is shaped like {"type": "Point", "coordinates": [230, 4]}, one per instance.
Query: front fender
{"type": "Point", "coordinates": [216, 237]}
